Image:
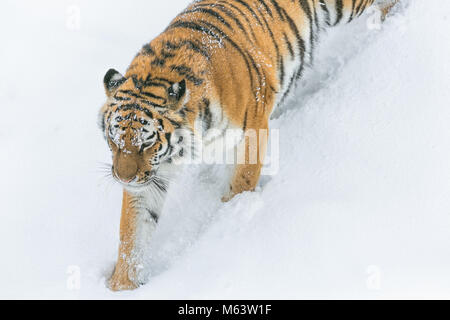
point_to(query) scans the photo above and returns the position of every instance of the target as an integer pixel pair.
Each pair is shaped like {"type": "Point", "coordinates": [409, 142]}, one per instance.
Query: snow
{"type": "Point", "coordinates": [358, 209]}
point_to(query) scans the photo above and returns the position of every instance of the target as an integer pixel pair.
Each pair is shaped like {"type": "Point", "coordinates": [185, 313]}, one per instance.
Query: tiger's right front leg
{"type": "Point", "coordinates": [137, 224]}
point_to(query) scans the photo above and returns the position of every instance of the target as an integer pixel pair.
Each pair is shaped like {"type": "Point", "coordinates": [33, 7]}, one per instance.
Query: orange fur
{"type": "Point", "coordinates": [123, 277]}
{"type": "Point", "coordinates": [241, 57]}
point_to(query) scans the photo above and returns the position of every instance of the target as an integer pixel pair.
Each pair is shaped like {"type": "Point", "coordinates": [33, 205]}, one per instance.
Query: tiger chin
{"type": "Point", "coordinates": [219, 65]}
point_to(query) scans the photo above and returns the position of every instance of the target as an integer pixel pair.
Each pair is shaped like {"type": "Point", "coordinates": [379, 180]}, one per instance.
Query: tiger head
{"type": "Point", "coordinates": [143, 127]}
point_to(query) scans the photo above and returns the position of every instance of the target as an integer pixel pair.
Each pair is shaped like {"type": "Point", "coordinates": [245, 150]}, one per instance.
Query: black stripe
{"type": "Point", "coordinates": [151, 83]}
{"type": "Point", "coordinates": [281, 68]}
{"type": "Point", "coordinates": [305, 7]}
{"type": "Point", "coordinates": [359, 7]}
{"type": "Point", "coordinates": [232, 16]}
{"type": "Point", "coordinates": [278, 8]}
{"type": "Point", "coordinates": [167, 55]}
{"type": "Point", "coordinates": [168, 135]}
{"type": "Point", "coordinates": [122, 98]}
{"type": "Point", "coordinates": [168, 151]}
{"type": "Point", "coordinates": [280, 61]}
{"type": "Point", "coordinates": [159, 62]}
{"type": "Point", "coordinates": [128, 92]}
{"type": "Point", "coordinates": [339, 13]}
{"type": "Point", "coordinates": [160, 185]}
{"type": "Point", "coordinates": [193, 26]}
{"type": "Point", "coordinates": [163, 80]}
{"type": "Point", "coordinates": [153, 215]}
{"type": "Point", "coordinates": [147, 50]}
{"type": "Point", "coordinates": [147, 144]}
{"type": "Point", "coordinates": [174, 123]}
{"type": "Point", "coordinates": [323, 5]}
{"type": "Point", "coordinates": [154, 96]}
{"type": "Point", "coordinates": [217, 34]}
{"type": "Point", "coordinates": [353, 11]}
{"type": "Point", "coordinates": [242, 14]}
{"type": "Point", "coordinates": [138, 83]}
{"type": "Point", "coordinates": [301, 46]}
{"type": "Point", "coordinates": [250, 9]}
{"type": "Point", "coordinates": [134, 106]}
{"type": "Point", "coordinates": [186, 108]}
{"type": "Point", "coordinates": [151, 104]}
{"type": "Point", "coordinates": [266, 7]}
{"type": "Point", "coordinates": [300, 41]}
{"type": "Point", "coordinates": [286, 93]}
{"type": "Point", "coordinates": [363, 8]}
{"type": "Point", "coordinates": [171, 46]}
{"type": "Point", "coordinates": [191, 45]}
{"type": "Point", "coordinates": [188, 73]}
{"type": "Point", "coordinates": [206, 114]}
{"type": "Point", "coordinates": [289, 46]}
{"type": "Point", "coordinates": [182, 113]}
{"type": "Point", "coordinates": [244, 126]}
{"type": "Point", "coordinates": [316, 18]}
{"type": "Point", "coordinates": [161, 124]}
{"type": "Point", "coordinates": [210, 12]}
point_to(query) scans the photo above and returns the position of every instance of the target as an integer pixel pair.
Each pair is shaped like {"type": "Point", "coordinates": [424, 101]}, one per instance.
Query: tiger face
{"type": "Point", "coordinates": [141, 127]}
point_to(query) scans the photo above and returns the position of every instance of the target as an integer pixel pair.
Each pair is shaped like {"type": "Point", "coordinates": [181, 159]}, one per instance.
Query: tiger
{"type": "Point", "coordinates": [220, 64]}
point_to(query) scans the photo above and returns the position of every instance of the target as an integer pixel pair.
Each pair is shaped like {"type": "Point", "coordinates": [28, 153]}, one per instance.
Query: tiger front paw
{"type": "Point", "coordinates": [120, 281]}
{"type": "Point", "coordinates": [118, 284]}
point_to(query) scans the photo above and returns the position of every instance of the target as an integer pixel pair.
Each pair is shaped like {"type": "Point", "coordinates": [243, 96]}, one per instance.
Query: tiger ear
{"type": "Point", "coordinates": [112, 80]}
{"type": "Point", "coordinates": [177, 91]}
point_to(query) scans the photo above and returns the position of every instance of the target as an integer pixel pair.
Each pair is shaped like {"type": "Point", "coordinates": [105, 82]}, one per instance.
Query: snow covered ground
{"type": "Point", "coordinates": [359, 209]}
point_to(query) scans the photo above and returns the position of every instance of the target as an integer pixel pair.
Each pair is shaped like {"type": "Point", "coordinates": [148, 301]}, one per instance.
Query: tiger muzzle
{"type": "Point", "coordinates": [125, 167]}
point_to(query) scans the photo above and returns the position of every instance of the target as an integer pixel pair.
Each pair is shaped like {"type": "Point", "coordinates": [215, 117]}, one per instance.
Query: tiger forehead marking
{"type": "Point", "coordinates": [142, 129]}
{"type": "Point", "coordinates": [141, 112]}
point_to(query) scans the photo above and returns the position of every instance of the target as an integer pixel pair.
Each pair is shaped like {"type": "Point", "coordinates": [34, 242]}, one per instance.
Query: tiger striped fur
{"type": "Point", "coordinates": [220, 64]}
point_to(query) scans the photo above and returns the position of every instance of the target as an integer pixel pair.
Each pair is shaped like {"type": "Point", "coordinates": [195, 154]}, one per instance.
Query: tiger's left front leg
{"type": "Point", "coordinates": [137, 224]}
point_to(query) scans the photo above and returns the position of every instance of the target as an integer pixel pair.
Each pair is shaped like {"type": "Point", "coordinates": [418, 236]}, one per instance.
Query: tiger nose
{"type": "Point", "coordinates": [125, 180]}
{"type": "Point", "coordinates": [126, 173]}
